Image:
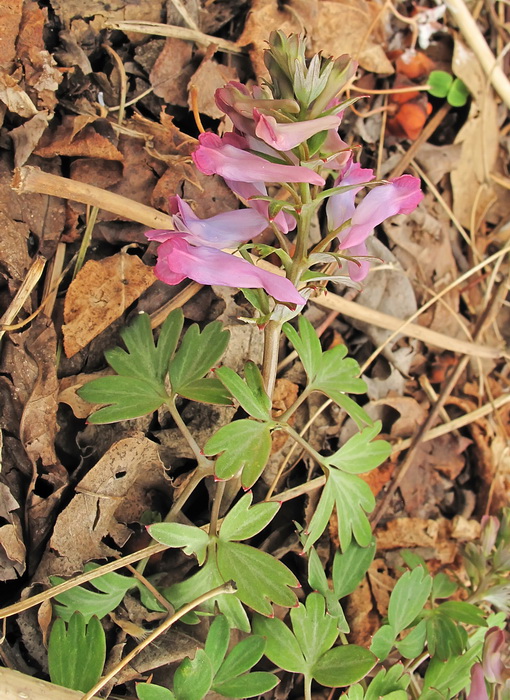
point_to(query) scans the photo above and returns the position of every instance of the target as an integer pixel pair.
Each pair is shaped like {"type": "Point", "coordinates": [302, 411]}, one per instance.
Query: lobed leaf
{"type": "Point", "coordinates": [76, 652]}
{"type": "Point", "coordinates": [250, 393]}
{"type": "Point", "coordinates": [318, 582]}
{"type": "Point", "coordinates": [361, 453]}
{"type": "Point", "coordinates": [282, 647]}
{"type": "Point", "coordinates": [260, 578]}
{"type": "Point", "coordinates": [128, 397]}
{"type": "Point", "coordinates": [244, 446]}
{"type": "Point", "coordinates": [243, 656]}
{"type": "Point", "coordinates": [315, 631]}
{"type": "Point", "coordinates": [197, 354]}
{"type": "Point", "coordinates": [244, 520]}
{"type": "Point", "coordinates": [218, 639]}
{"type": "Point", "coordinates": [350, 566]}
{"type": "Point", "coordinates": [191, 539]}
{"type": "Point", "coordinates": [382, 641]}
{"type": "Point", "coordinates": [306, 344]}
{"type": "Point", "coordinates": [209, 390]}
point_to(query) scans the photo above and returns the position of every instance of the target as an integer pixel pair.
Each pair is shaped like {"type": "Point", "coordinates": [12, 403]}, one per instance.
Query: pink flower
{"type": "Point", "coordinates": [225, 230]}
{"type": "Point", "coordinates": [177, 259]}
{"type": "Point", "coordinates": [226, 157]}
{"type": "Point", "coordinates": [285, 137]}
{"type": "Point", "coordinates": [478, 690]}
{"type": "Point", "coordinates": [494, 647]}
{"type": "Point", "coordinates": [285, 222]}
{"type": "Point", "coordinates": [401, 196]}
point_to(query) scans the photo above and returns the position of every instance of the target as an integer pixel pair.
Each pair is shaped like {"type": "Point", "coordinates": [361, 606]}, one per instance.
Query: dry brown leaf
{"type": "Point", "coordinates": [10, 19]}
{"type": "Point", "coordinates": [129, 467]}
{"type": "Point", "coordinates": [12, 548]}
{"type": "Point", "coordinates": [104, 11]}
{"type": "Point", "coordinates": [15, 98]}
{"type": "Point", "coordinates": [340, 26]}
{"type": "Point", "coordinates": [479, 137]}
{"type": "Point", "coordinates": [77, 136]}
{"type": "Point", "coordinates": [14, 257]}
{"type": "Point", "coordinates": [68, 393]}
{"type": "Point", "coordinates": [361, 616]}
{"type": "Point", "coordinates": [284, 395]}
{"type": "Point", "coordinates": [170, 74]}
{"type": "Point", "coordinates": [27, 136]}
{"type": "Point", "coordinates": [381, 583]}
{"type": "Point", "coordinates": [99, 295]}
{"type": "Point", "coordinates": [209, 77]}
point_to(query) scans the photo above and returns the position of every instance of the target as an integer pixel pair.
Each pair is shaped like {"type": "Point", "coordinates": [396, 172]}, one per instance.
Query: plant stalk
{"type": "Point", "coordinates": [270, 359]}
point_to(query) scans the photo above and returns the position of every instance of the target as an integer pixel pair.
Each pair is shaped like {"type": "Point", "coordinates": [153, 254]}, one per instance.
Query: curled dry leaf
{"type": "Point", "coordinates": [80, 136]}
{"type": "Point", "coordinates": [208, 77]}
{"type": "Point", "coordinates": [15, 98]}
{"type": "Point", "coordinates": [99, 295]}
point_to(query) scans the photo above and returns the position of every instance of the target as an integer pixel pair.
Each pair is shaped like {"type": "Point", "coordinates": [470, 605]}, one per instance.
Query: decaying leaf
{"type": "Point", "coordinates": [208, 77]}
{"type": "Point", "coordinates": [129, 467]}
{"type": "Point", "coordinates": [99, 294]}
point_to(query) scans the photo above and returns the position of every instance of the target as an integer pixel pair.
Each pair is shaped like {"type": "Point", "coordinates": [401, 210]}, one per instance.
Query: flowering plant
{"type": "Point", "coordinates": [285, 134]}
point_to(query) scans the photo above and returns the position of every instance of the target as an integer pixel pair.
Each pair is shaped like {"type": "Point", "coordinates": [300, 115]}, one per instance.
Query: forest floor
{"type": "Point", "coordinates": [85, 96]}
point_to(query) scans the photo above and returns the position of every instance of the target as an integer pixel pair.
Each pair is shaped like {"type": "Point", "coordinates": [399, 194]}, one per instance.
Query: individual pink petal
{"type": "Point", "coordinates": [285, 222]}
{"type": "Point", "coordinates": [284, 137]}
{"type": "Point", "coordinates": [478, 690]}
{"type": "Point", "coordinates": [357, 273]}
{"type": "Point", "coordinates": [177, 259]}
{"type": "Point", "coordinates": [401, 196]}
{"type": "Point", "coordinates": [492, 659]}
{"type": "Point", "coordinates": [340, 207]}
{"type": "Point", "coordinates": [336, 151]}
{"type": "Point", "coordinates": [219, 156]}
{"type": "Point", "coordinates": [225, 230]}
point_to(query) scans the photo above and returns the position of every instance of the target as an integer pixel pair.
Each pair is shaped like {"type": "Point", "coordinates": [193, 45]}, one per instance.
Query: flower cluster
{"type": "Point", "coordinates": [285, 133]}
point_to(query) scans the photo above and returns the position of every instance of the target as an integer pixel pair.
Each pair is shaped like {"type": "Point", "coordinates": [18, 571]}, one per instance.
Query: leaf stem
{"type": "Point", "coordinates": [284, 418]}
{"type": "Point", "coordinates": [308, 687]}
{"type": "Point", "coordinates": [304, 444]}
{"type": "Point", "coordinates": [216, 506]}
{"type": "Point", "coordinates": [199, 455]}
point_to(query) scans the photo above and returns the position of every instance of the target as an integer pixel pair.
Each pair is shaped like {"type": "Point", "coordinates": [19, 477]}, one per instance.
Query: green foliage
{"type": "Point", "coordinates": [244, 446]}
{"type": "Point", "coordinates": [250, 393]}
{"type": "Point", "coordinates": [193, 540]}
{"type": "Point", "coordinates": [350, 494]}
{"type": "Point", "coordinates": [138, 387]}
{"type": "Point", "coordinates": [308, 647]}
{"type": "Point", "coordinates": [209, 670]}
{"type": "Point", "coordinates": [445, 679]}
{"type": "Point", "coordinates": [390, 684]}
{"type": "Point", "coordinates": [442, 84]}
{"type": "Point", "coordinates": [260, 578]}
{"type": "Point", "coordinates": [76, 652]}
{"type": "Point", "coordinates": [111, 589]}
{"type": "Point", "coordinates": [330, 372]}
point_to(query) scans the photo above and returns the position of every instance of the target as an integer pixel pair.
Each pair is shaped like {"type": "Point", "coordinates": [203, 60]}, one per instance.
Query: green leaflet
{"type": "Point", "coordinates": [76, 652]}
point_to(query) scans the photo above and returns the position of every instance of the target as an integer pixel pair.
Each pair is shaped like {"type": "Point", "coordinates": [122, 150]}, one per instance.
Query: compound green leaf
{"type": "Point", "coordinates": [260, 578]}
{"type": "Point", "coordinates": [444, 637]}
{"type": "Point", "coordinates": [244, 520]}
{"type": "Point", "coordinates": [361, 453]}
{"type": "Point", "coordinates": [387, 682]}
{"type": "Point", "coordinates": [318, 582]}
{"type": "Point", "coordinates": [463, 612]}
{"type": "Point", "coordinates": [336, 372]}
{"type": "Point", "coordinates": [412, 645]}
{"type": "Point", "coordinates": [193, 678]}
{"type": "Point", "coordinates": [248, 686]}
{"type": "Point", "coordinates": [192, 539]}
{"type": "Point", "coordinates": [245, 446]}
{"type": "Point", "coordinates": [447, 678]}
{"type": "Point", "coordinates": [76, 652]}
{"type": "Point", "coordinates": [343, 665]}
{"type": "Point", "coordinates": [408, 598]}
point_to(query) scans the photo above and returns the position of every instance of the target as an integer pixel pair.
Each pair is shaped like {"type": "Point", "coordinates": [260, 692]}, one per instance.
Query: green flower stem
{"type": "Point", "coordinates": [199, 455]}
{"type": "Point", "coordinates": [270, 360]}
{"type": "Point", "coordinates": [303, 234]}
{"type": "Point", "coordinates": [304, 444]}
